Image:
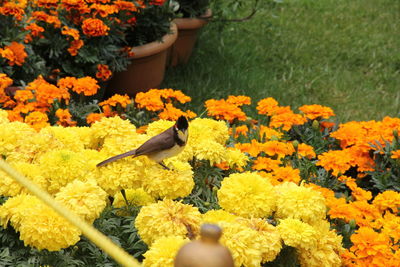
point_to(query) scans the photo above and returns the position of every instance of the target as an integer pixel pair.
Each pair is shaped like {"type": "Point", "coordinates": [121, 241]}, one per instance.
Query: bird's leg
{"type": "Point", "coordinates": [124, 196]}
{"type": "Point", "coordinates": [163, 165]}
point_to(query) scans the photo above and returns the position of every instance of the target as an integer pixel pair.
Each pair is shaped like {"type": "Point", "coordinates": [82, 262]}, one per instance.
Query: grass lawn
{"type": "Point", "coordinates": [344, 54]}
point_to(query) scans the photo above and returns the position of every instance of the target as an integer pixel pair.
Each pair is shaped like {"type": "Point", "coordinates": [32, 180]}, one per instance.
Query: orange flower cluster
{"type": "Point", "coordinates": [103, 72]}
{"type": "Point", "coordinates": [65, 118]}
{"type": "Point", "coordinates": [86, 86]}
{"type": "Point", "coordinates": [162, 101]}
{"type": "Point", "coordinates": [13, 9]}
{"type": "Point", "coordinates": [228, 109]}
{"type": "Point", "coordinates": [313, 112]}
{"type": "Point", "coordinates": [116, 100]}
{"type": "Point", "coordinates": [14, 53]}
{"type": "Point", "coordinates": [281, 117]}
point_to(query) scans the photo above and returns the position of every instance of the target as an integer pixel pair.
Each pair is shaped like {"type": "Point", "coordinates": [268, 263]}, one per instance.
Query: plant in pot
{"type": "Point", "coordinates": [150, 38]}
{"type": "Point", "coordinates": [191, 16]}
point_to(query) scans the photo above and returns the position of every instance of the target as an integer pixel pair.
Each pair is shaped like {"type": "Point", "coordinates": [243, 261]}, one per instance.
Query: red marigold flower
{"type": "Point", "coordinates": [47, 3]}
{"type": "Point", "coordinates": [103, 72]}
{"type": "Point", "coordinates": [94, 27]}
{"type": "Point", "coordinates": [75, 45]}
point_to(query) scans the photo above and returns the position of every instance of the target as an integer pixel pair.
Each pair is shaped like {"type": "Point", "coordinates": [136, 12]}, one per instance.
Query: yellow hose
{"type": "Point", "coordinates": [103, 242]}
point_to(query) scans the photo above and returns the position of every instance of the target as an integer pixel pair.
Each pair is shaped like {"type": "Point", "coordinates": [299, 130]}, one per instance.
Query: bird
{"type": "Point", "coordinates": [167, 144]}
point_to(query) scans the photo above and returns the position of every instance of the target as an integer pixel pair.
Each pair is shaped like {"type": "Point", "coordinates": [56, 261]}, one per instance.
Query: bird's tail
{"type": "Point", "coordinates": [120, 156]}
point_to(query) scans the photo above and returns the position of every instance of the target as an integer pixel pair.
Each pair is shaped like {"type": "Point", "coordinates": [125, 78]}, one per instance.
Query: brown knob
{"type": "Point", "coordinates": [206, 252]}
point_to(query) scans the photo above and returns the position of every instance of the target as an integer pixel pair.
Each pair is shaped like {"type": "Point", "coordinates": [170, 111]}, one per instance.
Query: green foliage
{"type": "Point", "coordinates": [286, 258]}
{"type": "Point", "coordinates": [192, 8]}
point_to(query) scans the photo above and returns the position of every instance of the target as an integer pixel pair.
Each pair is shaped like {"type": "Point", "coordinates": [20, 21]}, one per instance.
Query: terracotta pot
{"type": "Point", "coordinates": [147, 68]}
{"type": "Point", "coordinates": [187, 36]}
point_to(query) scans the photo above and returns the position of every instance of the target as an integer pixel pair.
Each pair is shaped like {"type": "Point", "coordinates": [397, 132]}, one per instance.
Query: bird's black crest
{"type": "Point", "coordinates": [182, 123]}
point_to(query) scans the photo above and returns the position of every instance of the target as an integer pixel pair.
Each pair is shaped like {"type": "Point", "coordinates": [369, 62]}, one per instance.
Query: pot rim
{"type": "Point", "coordinates": [193, 23]}
{"type": "Point", "coordinates": [156, 46]}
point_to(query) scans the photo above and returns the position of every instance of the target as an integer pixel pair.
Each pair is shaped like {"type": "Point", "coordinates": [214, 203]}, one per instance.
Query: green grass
{"type": "Point", "coordinates": [344, 54]}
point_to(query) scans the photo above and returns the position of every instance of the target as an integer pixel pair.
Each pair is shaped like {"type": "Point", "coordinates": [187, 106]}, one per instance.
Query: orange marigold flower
{"type": "Point", "coordinates": [25, 108]}
{"type": "Point", "coordinates": [172, 113]}
{"type": "Point", "coordinates": [46, 93]}
{"type": "Point", "coordinates": [387, 200]}
{"type": "Point", "coordinates": [74, 33]}
{"type": "Point", "coordinates": [75, 45]}
{"type": "Point", "coordinates": [12, 9]}
{"type": "Point", "coordinates": [222, 110]}
{"type": "Point", "coordinates": [337, 161]}
{"type": "Point", "coordinates": [396, 154]}
{"type": "Point", "coordinates": [103, 72]}
{"type": "Point", "coordinates": [286, 120]}
{"type": "Point", "coordinates": [86, 85]}
{"type": "Point", "coordinates": [23, 95]}
{"type": "Point", "coordinates": [267, 106]}
{"type": "Point", "coordinates": [37, 120]}
{"type": "Point", "coordinates": [222, 165]}
{"type": "Point", "coordinates": [93, 117]}
{"type": "Point", "coordinates": [357, 192]}
{"type": "Point", "coordinates": [264, 163]}
{"type": "Point", "coordinates": [267, 132]}
{"type": "Point", "coordinates": [35, 31]}
{"type": "Point", "coordinates": [142, 129]}
{"type": "Point", "coordinates": [285, 174]}
{"type": "Point", "coordinates": [239, 130]}
{"type": "Point", "coordinates": [253, 149]}
{"type": "Point", "coordinates": [306, 151]}
{"type": "Point", "coordinates": [74, 4]}
{"type": "Point", "coordinates": [43, 16]}
{"type": "Point", "coordinates": [14, 116]}
{"type": "Point", "coordinates": [239, 100]}
{"type": "Point", "coordinates": [152, 100]}
{"type": "Point", "coordinates": [64, 118]}
{"type": "Point", "coordinates": [371, 247]}
{"type": "Point", "coordinates": [313, 112]}
{"type": "Point", "coordinates": [47, 3]}
{"type": "Point", "coordinates": [94, 27]}
{"type": "Point", "coordinates": [176, 94]}
{"type": "Point", "coordinates": [117, 99]}
{"type": "Point", "coordinates": [15, 53]}
{"type": "Point", "coordinates": [278, 148]}
{"type": "Point", "coordinates": [125, 5]}
{"type": "Point", "coordinates": [104, 10]}
{"type": "Point", "coordinates": [5, 82]}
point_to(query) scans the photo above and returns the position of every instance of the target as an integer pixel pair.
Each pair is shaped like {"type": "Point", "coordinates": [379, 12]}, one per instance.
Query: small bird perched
{"type": "Point", "coordinates": [164, 145]}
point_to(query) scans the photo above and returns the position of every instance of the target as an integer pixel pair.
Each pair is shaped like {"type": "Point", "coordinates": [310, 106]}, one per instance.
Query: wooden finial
{"type": "Point", "coordinates": [206, 252]}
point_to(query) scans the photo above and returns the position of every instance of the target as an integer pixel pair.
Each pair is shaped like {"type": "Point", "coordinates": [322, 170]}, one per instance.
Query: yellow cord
{"type": "Point", "coordinates": [103, 242]}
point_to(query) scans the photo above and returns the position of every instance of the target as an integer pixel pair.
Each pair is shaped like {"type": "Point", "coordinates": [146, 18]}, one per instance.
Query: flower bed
{"type": "Point", "coordinates": [287, 187]}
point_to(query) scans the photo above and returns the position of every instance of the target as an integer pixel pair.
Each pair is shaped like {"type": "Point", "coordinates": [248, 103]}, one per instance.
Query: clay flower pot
{"type": "Point", "coordinates": [187, 36]}
{"type": "Point", "coordinates": [147, 68]}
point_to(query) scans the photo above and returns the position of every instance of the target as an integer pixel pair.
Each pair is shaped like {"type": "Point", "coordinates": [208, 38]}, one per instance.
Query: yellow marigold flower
{"type": "Point", "coordinates": [285, 174]}
{"type": "Point", "coordinates": [337, 161]}
{"type": "Point", "coordinates": [159, 126]}
{"type": "Point", "coordinates": [298, 234]}
{"type": "Point", "coordinates": [72, 138]}
{"type": "Point", "coordinates": [61, 167]}
{"type": "Point", "coordinates": [247, 194]}
{"type": "Point", "coordinates": [243, 242]}
{"type": "Point", "coordinates": [267, 106]}
{"type": "Point", "coordinates": [313, 112]}
{"type": "Point", "coordinates": [136, 197]}
{"type": "Point", "coordinates": [210, 150]}
{"type": "Point", "coordinates": [391, 226]}
{"type": "Point", "coordinates": [327, 251]}
{"type": "Point", "coordinates": [201, 129]}
{"type": "Point", "coordinates": [43, 228]}
{"type": "Point", "coordinates": [12, 135]}
{"type": "Point", "coordinates": [109, 127]}
{"type": "Point", "coordinates": [173, 183]}
{"type": "Point", "coordinates": [13, 210]}
{"type": "Point", "coordinates": [271, 242]}
{"type": "Point", "coordinates": [10, 187]}
{"type": "Point", "coordinates": [3, 117]}
{"type": "Point", "coordinates": [163, 251]}
{"type": "Point", "coordinates": [387, 200]}
{"type": "Point", "coordinates": [299, 202]}
{"type": "Point", "coordinates": [218, 216]}
{"type": "Point", "coordinates": [166, 218]}
{"type": "Point", "coordinates": [235, 157]}
{"type": "Point", "coordinates": [86, 199]}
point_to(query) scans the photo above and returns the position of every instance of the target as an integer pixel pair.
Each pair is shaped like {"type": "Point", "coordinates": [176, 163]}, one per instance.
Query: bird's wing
{"type": "Point", "coordinates": [163, 141]}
